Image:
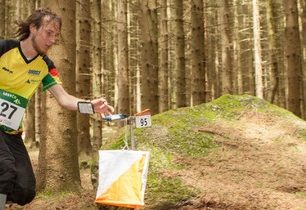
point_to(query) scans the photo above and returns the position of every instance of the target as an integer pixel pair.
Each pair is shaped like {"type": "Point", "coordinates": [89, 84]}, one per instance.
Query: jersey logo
{"type": "Point", "coordinates": [9, 95]}
{"type": "Point", "coordinates": [17, 101]}
{"type": "Point", "coordinates": [34, 72]}
{"type": "Point", "coordinates": [30, 81]}
{"type": "Point", "coordinates": [7, 70]}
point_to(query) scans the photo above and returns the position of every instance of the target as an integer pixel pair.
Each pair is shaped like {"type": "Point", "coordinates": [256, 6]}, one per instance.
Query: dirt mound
{"type": "Point", "coordinates": [260, 164]}
{"type": "Point", "coordinates": [234, 153]}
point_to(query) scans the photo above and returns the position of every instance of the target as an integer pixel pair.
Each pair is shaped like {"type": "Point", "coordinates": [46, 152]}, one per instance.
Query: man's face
{"type": "Point", "coordinates": [46, 36]}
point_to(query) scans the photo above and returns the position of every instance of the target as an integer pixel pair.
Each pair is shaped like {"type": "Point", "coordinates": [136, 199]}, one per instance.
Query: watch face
{"type": "Point", "coordinates": [85, 107]}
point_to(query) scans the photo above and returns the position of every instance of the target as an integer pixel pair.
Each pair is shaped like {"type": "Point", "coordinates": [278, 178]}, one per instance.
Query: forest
{"type": "Point", "coordinates": [158, 55]}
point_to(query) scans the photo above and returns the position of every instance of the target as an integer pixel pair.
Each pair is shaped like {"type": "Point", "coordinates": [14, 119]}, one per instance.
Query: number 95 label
{"type": "Point", "coordinates": [143, 121]}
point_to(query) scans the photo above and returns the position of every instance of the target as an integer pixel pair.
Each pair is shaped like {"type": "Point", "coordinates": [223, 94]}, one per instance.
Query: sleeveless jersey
{"type": "Point", "coordinates": [19, 79]}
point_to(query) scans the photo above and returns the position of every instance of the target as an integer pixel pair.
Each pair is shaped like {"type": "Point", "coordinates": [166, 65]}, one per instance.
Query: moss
{"type": "Point", "coordinates": [168, 191]}
{"type": "Point", "coordinates": [59, 194]}
{"type": "Point", "coordinates": [118, 144]}
{"type": "Point", "coordinates": [302, 134]}
{"type": "Point", "coordinates": [301, 194]}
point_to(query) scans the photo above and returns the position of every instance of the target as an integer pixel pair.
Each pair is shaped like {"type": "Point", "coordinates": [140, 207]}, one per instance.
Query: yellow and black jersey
{"type": "Point", "coordinates": [19, 79]}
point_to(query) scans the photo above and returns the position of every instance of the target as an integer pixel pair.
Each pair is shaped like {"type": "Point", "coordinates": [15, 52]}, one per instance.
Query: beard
{"type": "Point", "coordinates": [36, 47]}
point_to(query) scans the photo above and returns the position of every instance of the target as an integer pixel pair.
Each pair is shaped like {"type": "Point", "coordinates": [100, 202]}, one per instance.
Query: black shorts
{"type": "Point", "coordinates": [17, 178]}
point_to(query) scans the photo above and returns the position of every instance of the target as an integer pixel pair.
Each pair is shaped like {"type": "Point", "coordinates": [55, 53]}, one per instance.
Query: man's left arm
{"type": "Point", "coordinates": [70, 102]}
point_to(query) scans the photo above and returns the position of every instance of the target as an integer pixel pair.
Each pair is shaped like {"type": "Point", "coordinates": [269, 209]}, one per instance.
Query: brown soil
{"type": "Point", "coordinates": [260, 164]}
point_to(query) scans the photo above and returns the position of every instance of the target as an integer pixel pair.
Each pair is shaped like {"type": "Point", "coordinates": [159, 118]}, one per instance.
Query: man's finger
{"type": "Point", "coordinates": [110, 109]}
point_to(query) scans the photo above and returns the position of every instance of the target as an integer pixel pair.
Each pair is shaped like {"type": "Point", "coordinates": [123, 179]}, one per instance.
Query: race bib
{"type": "Point", "coordinates": [12, 109]}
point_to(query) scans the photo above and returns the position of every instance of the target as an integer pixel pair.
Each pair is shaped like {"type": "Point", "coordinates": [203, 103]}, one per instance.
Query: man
{"type": "Point", "coordinates": [24, 65]}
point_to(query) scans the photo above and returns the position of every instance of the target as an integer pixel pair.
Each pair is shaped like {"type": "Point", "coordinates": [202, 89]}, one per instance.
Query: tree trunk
{"type": "Point", "coordinates": [197, 53]}
{"type": "Point", "coordinates": [123, 65]}
{"type": "Point", "coordinates": [29, 128]}
{"type": "Point", "coordinates": [39, 97]}
{"type": "Point", "coordinates": [293, 56]}
{"type": "Point", "coordinates": [25, 8]}
{"type": "Point", "coordinates": [149, 55]}
{"type": "Point", "coordinates": [247, 63]}
{"type": "Point", "coordinates": [11, 14]}
{"type": "Point", "coordinates": [83, 73]}
{"type": "Point", "coordinates": [134, 56]}
{"type": "Point", "coordinates": [96, 87]}
{"type": "Point", "coordinates": [163, 70]}
{"type": "Point", "coordinates": [274, 67]}
{"type": "Point", "coordinates": [212, 49]}
{"type": "Point", "coordinates": [108, 45]}
{"type": "Point", "coordinates": [2, 17]}
{"type": "Point", "coordinates": [237, 77]}
{"type": "Point", "coordinates": [58, 158]}
{"type": "Point", "coordinates": [257, 51]}
{"type": "Point", "coordinates": [179, 51]}
{"type": "Point", "coordinates": [304, 56]}
{"type": "Point", "coordinates": [226, 52]}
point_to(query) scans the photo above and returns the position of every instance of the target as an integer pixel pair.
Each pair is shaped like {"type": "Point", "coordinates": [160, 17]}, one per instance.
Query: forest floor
{"type": "Point", "coordinates": [264, 168]}
{"type": "Point", "coordinates": [260, 163]}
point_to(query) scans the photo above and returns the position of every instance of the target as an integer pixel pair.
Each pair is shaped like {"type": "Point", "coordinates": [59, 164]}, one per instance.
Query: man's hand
{"type": "Point", "coordinates": [101, 106]}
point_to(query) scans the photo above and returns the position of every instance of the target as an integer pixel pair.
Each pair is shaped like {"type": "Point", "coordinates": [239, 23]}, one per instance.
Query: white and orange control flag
{"type": "Point", "coordinates": [122, 177]}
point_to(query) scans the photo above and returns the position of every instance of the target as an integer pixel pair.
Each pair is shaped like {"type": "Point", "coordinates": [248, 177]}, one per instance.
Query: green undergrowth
{"type": "Point", "coordinates": [174, 133]}
{"type": "Point", "coordinates": [302, 134]}
{"type": "Point", "coordinates": [50, 194]}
